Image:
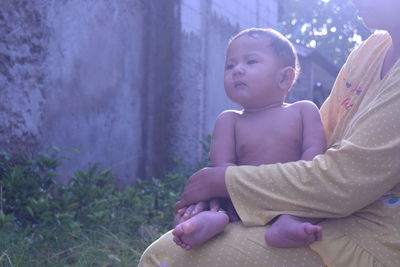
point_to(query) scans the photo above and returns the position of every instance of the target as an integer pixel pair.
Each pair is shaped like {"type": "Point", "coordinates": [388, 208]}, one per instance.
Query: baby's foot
{"type": "Point", "coordinates": [199, 228]}
{"type": "Point", "coordinates": [290, 231]}
{"type": "Point", "coordinates": [178, 219]}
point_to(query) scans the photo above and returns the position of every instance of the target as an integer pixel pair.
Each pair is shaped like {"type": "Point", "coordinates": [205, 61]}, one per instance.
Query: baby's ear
{"type": "Point", "coordinates": [286, 79]}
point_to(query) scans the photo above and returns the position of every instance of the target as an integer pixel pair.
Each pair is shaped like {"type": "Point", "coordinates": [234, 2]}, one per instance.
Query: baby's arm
{"type": "Point", "coordinates": [222, 149]}
{"type": "Point", "coordinates": [222, 153]}
{"type": "Point", "coordinates": [314, 141]}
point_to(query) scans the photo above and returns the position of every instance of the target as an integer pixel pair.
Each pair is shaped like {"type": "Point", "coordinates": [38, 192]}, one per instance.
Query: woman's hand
{"type": "Point", "coordinates": [204, 185]}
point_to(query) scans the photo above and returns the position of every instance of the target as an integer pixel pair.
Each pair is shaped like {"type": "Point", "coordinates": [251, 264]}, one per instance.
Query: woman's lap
{"type": "Point", "coordinates": [236, 246]}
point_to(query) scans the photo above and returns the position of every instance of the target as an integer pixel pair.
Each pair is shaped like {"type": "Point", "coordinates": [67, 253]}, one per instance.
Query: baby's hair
{"type": "Point", "coordinates": [283, 48]}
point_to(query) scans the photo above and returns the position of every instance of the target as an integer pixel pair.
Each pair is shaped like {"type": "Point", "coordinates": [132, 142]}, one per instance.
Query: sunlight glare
{"type": "Point", "coordinates": [321, 31]}
{"type": "Point", "coordinates": [356, 38]}
{"type": "Point", "coordinates": [305, 27]}
{"type": "Point", "coordinates": [312, 44]}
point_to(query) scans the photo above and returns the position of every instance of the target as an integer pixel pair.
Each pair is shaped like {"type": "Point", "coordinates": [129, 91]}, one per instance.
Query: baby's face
{"type": "Point", "coordinates": [252, 73]}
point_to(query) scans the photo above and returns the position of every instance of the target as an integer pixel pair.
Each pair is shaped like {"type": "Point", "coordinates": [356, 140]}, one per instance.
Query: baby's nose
{"type": "Point", "coordinates": [238, 69]}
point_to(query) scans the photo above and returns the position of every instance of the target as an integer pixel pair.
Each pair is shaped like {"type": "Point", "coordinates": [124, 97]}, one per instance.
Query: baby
{"type": "Point", "coordinates": [261, 66]}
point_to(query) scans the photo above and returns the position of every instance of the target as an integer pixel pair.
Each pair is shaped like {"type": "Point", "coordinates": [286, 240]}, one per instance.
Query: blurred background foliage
{"type": "Point", "coordinates": [329, 26]}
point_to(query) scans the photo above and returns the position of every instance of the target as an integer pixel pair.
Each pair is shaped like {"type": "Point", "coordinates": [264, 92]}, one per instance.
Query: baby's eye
{"type": "Point", "coordinates": [229, 66]}
{"type": "Point", "coordinates": [251, 61]}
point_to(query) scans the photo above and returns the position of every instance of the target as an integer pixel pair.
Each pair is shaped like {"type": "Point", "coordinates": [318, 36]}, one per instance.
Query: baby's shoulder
{"type": "Point", "coordinates": [304, 106]}
{"type": "Point", "coordinates": [229, 115]}
{"type": "Point", "coordinates": [308, 111]}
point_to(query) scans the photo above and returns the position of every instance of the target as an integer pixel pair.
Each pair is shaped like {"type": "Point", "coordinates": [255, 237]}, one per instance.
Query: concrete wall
{"type": "Point", "coordinates": [96, 70]}
{"type": "Point", "coordinates": [23, 39]}
{"type": "Point", "coordinates": [131, 84]}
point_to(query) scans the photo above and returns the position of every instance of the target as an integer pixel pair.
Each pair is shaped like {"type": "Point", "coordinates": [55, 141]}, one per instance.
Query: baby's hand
{"type": "Point", "coordinates": [215, 204]}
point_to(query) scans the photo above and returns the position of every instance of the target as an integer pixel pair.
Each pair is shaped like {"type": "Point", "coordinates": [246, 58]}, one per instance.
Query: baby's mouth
{"type": "Point", "coordinates": [239, 84]}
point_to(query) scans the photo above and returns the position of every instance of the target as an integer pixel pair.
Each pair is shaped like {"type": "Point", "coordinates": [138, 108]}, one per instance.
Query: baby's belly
{"type": "Point", "coordinates": [259, 154]}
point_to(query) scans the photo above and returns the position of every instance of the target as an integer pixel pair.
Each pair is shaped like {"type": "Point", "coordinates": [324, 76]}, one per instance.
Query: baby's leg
{"type": "Point", "coordinates": [290, 231]}
{"type": "Point", "coordinates": [230, 211]}
{"type": "Point", "coordinates": [199, 228]}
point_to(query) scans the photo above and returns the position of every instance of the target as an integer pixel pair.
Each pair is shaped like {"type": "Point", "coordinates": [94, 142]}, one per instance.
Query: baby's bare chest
{"type": "Point", "coordinates": [269, 139]}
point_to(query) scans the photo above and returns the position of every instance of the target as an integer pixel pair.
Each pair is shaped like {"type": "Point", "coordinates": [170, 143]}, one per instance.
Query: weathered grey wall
{"type": "Point", "coordinates": [23, 52]}
{"type": "Point", "coordinates": [95, 73]}
{"type": "Point", "coordinates": [110, 74]}
{"type": "Point", "coordinates": [131, 84]}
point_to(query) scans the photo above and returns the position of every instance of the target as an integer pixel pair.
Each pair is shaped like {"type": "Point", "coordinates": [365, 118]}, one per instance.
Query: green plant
{"type": "Point", "coordinates": [86, 222]}
{"type": "Point", "coordinates": [25, 185]}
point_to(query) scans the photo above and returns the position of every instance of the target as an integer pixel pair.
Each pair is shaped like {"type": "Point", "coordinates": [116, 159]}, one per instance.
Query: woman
{"type": "Point", "coordinates": [355, 184]}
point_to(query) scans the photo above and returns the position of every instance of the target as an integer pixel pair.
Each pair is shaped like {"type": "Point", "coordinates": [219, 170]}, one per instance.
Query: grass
{"type": "Point", "coordinates": [90, 247]}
